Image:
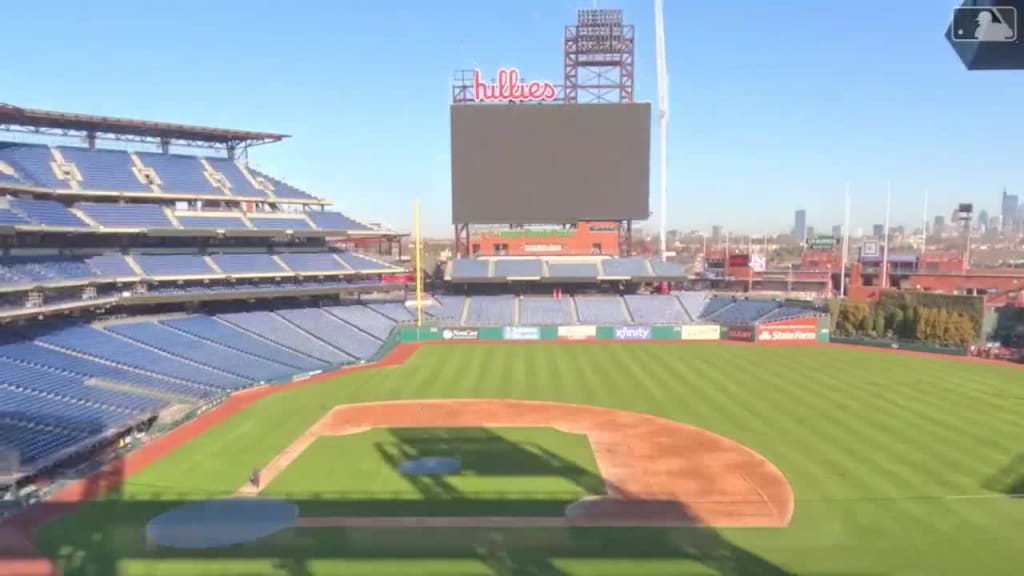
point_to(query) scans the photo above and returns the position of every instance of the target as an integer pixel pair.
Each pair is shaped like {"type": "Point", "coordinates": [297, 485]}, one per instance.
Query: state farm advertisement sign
{"type": "Point", "coordinates": [800, 331]}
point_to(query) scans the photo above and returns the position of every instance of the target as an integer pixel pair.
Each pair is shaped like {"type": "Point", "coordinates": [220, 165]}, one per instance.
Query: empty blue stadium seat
{"type": "Point", "coordinates": [656, 309]}
{"type": "Point", "coordinates": [279, 223]}
{"type": "Point", "coordinates": [46, 212]}
{"type": "Point", "coordinates": [333, 331]}
{"type": "Point", "coordinates": [669, 269]}
{"type": "Point", "coordinates": [103, 345]}
{"type": "Point", "coordinates": [573, 270]}
{"type": "Point", "coordinates": [525, 268]}
{"type": "Point", "coordinates": [213, 330]}
{"type": "Point", "coordinates": [491, 310]}
{"type": "Point", "coordinates": [334, 221]}
{"type": "Point", "coordinates": [312, 262]}
{"type": "Point", "coordinates": [275, 328]}
{"type": "Point", "coordinates": [601, 310]}
{"type": "Point", "coordinates": [447, 308]}
{"type": "Point", "coordinates": [742, 312]}
{"type": "Point", "coordinates": [11, 218]}
{"type": "Point", "coordinates": [33, 442]}
{"type": "Point", "coordinates": [361, 262]}
{"type": "Point", "coordinates": [34, 354]}
{"type": "Point", "coordinates": [281, 189]}
{"type": "Point", "coordinates": [246, 366]}
{"type": "Point", "coordinates": [126, 215]}
{"type": "Point", "coordinates": [714, 305]}
{"type": "Point", "coordinates": [470, 268]}
{"type": "Point", "coordinates": [545, 311]}
{"type": "Point", "coordinates": [180, 174]}
{"type": "Point", "coordinates": [201, 221]}
{"type": "Point", "coordinates": [111, 266]}
{"type": "Point", "coordinates": [173, 265]}
{"type": "Point", "coordinates": [247, 264]}
{"type": "Point", "coordinates": [49, 268]}
{"type": "Point", "coordinates": [240, 185]}
{"type": "Point", "coordinates": [365, 319]}
{"type": "Point", "coordinates": [625, 267]}
{"type": "Point", "coordinates": [396, 311]}
{"type": "Point", "coordinates": [786, 313]}
{"type": "Point", "coordinates": [33, 163]}
{"type": "Point", "coordinates": [104, 169]}
{"type": "Point", "coordinates": [51, 382]}
{"type": "Point", "coordinates": [693, 302]}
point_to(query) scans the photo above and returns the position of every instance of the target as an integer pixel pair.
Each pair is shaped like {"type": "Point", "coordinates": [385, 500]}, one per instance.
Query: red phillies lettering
{"type": "Point", "coordinates": [508, 88]}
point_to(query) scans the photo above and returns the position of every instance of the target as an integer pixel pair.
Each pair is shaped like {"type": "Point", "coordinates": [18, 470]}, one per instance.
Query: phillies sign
{"type": "Point", "coordinates": [509, 88]}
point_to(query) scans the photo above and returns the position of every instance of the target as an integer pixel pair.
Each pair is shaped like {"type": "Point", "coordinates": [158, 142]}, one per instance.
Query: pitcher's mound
{"type": "Point", "coordinates": [220, 523]}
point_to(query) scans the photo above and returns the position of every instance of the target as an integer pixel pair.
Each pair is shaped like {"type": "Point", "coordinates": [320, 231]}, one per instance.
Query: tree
{"type": "Point", "coordinates": [909, 327]}
{"type": "Point", "coordinates": [879, 323]}
{"type": "Point", "coordinates": [867, 323]}
{"type": "Point", "coordinates": [895, 322]}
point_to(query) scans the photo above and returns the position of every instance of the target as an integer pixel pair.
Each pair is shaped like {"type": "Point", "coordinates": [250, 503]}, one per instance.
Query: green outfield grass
{"type": "Point", "coordinates": [899, 465]}
{"type": "Point", "coordinates": [505, 471]}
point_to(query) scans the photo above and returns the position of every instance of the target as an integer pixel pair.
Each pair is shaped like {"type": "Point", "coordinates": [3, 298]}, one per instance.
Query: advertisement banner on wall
{"type": "Point", "coordinates": [796, 331]}
{"type": "Point", "coordinates": [699, 332]}
{"type": "Point", "coordinates": [632, 333]}
{"type": "Point", "coordinates": [459, 334]}
{"type": "Point", "coordinates": [739, 333]}
{"type": "Point", "coordinates": [577, 332]}
{"type": "Point", "coordinates": [522, 333]}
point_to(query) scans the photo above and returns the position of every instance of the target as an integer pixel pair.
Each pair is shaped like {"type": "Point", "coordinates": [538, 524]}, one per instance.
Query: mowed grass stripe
{"type": "Point", "coordinates": [872, 443]}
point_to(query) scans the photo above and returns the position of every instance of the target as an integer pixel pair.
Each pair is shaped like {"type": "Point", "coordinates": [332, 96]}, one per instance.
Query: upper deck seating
{"type": "Point", "coordinates": [180, 174]}
{"type": "Point", "coordinates": [126, 215]}
{"type": "Point", "coordinates": [656, 309]}
{"type": "Point", "coordinates": [105, 170]}
{"type": "Point", "coordinates": [46, 212]}
{"type": "Point", "coordinates": [545, 311]}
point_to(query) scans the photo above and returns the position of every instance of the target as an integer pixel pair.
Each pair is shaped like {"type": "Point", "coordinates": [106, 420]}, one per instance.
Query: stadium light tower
{"type": "Point", "coordinates": [659, 24]}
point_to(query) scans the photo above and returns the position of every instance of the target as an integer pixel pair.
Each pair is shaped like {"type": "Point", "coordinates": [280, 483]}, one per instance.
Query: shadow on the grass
{"type": "Point", "coordinates": [102, 534]}
{"type": "Point", "coordinates": [1009, 479]}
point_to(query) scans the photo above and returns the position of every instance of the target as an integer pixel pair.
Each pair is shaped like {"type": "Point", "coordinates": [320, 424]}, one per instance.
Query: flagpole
{"type": "Point", "coordinates": [846, 242]}
{"type": "Point", "coordinates": [885, 234]}
{"type": "Point", "coordinates": [419, 271]}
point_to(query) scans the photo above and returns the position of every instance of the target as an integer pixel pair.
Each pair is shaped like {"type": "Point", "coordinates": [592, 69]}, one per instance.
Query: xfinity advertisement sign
{"type": "Point", "coordinates": [633, 333]}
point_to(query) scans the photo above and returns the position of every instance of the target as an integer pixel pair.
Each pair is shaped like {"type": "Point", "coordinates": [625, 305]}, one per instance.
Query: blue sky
{"type": "Point", "coordinates": [774, 105]}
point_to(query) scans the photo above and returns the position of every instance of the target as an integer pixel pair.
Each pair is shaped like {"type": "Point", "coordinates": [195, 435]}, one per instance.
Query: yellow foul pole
{"type": "Point", "coordinates": [419, 274]}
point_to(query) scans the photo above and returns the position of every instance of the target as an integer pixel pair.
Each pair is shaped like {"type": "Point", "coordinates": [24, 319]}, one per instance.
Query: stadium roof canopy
{"type": "Point", "coordinates": [17, 119]}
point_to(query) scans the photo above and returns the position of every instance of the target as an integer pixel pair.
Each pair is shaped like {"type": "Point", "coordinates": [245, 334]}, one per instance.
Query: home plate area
{"type": "Point", "coordinates": [491, 463]}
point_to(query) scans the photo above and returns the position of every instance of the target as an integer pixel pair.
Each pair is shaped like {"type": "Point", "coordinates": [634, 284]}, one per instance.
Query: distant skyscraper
{"type": "Point", "coordinates": [716, 233]}
{"type": "Point", "coordinates": [800, 225]}
{"type": "Point", "coordinates": [878, 230]}
{"type": "Point", "coordinates": [939, 226]}
{"type": "Point", "coordinates": [1009, 212]}
{"type": "Point", "coordinates": [809, 233]}
{"type": "Point", "coordinates": [859, 232]}
{"type": "Point", "coordinates": [982, 221]}
{"type": "Point", "coordinates": [837, 230]}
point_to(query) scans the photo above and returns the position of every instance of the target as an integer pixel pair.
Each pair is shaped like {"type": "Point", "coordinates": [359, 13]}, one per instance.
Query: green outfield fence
{"type": "Point", "coordinates": [901, 345]}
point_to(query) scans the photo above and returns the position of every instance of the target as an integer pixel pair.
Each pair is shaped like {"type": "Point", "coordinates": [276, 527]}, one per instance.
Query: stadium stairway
{"type": "Point", "coordinates": [212, 264]}
{"type": "Point", "coordinates": [465, 310]}
{"type": "Point", "coordinates": [170, 216]}
{"type": "Point", "coordinates": [575, 313]}
{"type": "Point", "coordinates": [515, 310]}
{"type": "Point", "coordinates": [626, 311]}
{"type": "Point", "coordinates": [134, 265]}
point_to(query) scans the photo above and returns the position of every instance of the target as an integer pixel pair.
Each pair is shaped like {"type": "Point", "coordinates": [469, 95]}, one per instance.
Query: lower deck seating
{"type": "Point", "coordinates": [545, 311]}
{"type": "Point", "coordinates": [601, 310]}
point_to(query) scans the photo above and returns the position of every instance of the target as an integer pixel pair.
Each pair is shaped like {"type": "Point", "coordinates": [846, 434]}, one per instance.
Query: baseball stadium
{"type": "Point", "coordinates": [207, 370]}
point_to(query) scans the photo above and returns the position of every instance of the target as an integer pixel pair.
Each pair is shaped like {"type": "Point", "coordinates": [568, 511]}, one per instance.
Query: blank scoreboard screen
{"type": "Point", "coordinates": [550, 163]}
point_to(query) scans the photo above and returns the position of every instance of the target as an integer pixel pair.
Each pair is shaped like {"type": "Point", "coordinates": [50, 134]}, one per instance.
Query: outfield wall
{"type": "Point", "coordinates": [796, 331]}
